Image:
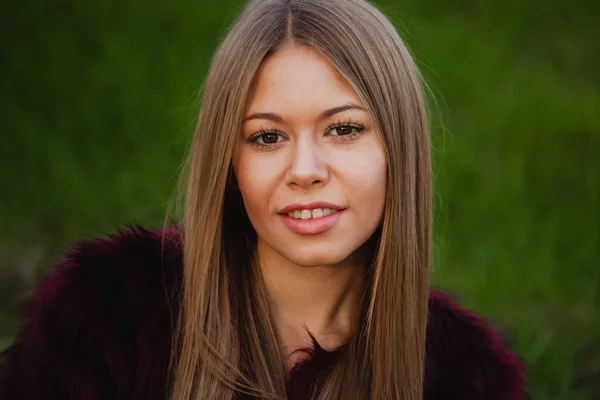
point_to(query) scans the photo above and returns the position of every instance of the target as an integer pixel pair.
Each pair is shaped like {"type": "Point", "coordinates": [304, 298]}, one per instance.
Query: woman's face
{"type": "Point", "coordinates": [309, 164]}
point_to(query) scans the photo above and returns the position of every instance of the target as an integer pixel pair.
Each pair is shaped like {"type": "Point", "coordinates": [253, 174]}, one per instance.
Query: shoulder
{"type": "Point", "coordinates": [131, 251]}
{"type": "Point", "coordinates": [89, 321]}
{"type": "Point", "coordinates": [466, 357]}
{"type": "Point", "coordinates": [123, 272]}
{"type": "Point", "coordinates": [134, 262]}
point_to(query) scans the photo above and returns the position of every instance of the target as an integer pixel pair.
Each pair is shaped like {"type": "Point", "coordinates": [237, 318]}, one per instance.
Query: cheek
{"type": "Point", "coordinates": [257, 180]}
{"type": "Point", "coordinates": [367, 182]}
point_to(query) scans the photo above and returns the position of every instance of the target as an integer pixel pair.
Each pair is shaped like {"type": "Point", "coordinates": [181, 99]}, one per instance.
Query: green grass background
{"type": "Point", "coordinates": [97, 106]}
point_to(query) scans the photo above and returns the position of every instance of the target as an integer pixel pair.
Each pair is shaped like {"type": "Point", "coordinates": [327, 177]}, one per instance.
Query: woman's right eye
{"type": "Point", "coordinates": [266, 139]}
{"type": "Point", "coordinates": [269, 138]}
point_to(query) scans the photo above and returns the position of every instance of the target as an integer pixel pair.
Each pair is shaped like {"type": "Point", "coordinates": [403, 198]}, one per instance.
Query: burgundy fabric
{"type": "Point", "coordinates": [99, 327]}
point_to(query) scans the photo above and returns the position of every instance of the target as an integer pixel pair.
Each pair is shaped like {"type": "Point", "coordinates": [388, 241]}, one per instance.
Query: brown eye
{"type": "Point", "coordinates": [266, 138]}
{"type": "Point", "coordinates": [344, 130]}
{"type": "Point", "coordinates": [269, 138]}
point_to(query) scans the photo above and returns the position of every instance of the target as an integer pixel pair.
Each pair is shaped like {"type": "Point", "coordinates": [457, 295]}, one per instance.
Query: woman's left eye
{"type": "Point", "coordinates": [345, 130]}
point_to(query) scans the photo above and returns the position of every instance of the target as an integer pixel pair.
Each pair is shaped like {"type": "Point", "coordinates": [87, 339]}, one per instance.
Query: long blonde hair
{"type": "Point", "coordinates": [225, 342]}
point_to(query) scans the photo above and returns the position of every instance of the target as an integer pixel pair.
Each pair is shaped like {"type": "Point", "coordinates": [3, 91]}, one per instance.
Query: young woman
{"type": "Point", "coordinates": [300, 267]}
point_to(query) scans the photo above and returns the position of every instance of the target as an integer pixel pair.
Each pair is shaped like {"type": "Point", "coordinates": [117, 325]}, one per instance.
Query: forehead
{"type": "Point", "coordinates": [298, 77]}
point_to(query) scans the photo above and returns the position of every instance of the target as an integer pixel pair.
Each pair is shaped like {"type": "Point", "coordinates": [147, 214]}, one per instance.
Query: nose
{"type": "Point", "coordinates": [307, 164]}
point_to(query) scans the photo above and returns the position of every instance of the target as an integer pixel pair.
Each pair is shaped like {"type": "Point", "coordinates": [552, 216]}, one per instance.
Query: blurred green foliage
{"type": "Point", "coordinates": [97, 106]}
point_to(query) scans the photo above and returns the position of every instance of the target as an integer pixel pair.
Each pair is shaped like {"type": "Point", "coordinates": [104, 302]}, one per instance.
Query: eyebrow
{"type": "Point", "coordinates": [325, 114]}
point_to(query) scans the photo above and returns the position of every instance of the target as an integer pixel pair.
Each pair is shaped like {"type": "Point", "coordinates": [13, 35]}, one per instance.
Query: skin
{"type": "Point", "coordinates": [315, 281]}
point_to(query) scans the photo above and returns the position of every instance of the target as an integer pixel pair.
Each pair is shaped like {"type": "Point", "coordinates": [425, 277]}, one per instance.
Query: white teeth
{"type": "Point", "coordinates": [310, 214]}
{"type": "Point", "coordinates": [306, 214]}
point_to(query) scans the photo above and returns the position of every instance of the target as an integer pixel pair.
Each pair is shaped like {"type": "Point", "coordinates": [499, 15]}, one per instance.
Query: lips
{"type": "Point", "coordinates": [311, 218]}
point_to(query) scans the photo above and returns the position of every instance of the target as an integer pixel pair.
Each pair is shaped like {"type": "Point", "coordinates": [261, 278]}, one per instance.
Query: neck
{"type": "Point", "coordinates": [322, 300]}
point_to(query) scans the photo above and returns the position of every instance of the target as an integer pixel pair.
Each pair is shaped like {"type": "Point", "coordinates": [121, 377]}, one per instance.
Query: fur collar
{"type": "Point", "coordinates": [99, 327]}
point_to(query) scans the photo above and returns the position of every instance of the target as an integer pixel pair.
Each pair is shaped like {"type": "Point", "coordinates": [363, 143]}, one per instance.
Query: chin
{"type": "Point", "coordinates": [313, 251]}
{"type": "Point", "coordinates": [314, 257]}
{"type": "Point", "coordinates": [315, 261]}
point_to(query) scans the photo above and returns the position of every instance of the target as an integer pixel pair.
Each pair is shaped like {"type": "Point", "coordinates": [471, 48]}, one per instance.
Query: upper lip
{"type": "Point", "coordinates": [310, 206]}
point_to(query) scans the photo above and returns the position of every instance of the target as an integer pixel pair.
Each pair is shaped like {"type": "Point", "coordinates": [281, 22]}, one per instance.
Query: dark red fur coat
{"type": "Point", "coordinates": [99, 327]}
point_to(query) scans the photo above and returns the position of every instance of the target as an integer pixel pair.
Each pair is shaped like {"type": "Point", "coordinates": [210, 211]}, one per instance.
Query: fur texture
{"type": "Point", "coordinates": [100, 326]}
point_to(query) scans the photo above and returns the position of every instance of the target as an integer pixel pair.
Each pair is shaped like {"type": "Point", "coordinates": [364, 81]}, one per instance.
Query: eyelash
{"type": "Point", "coordinates": [356, 127]}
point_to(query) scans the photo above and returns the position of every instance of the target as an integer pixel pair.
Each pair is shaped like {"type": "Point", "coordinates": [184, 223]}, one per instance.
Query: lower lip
{"type": "Point", "coordinates": [312, 226]}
